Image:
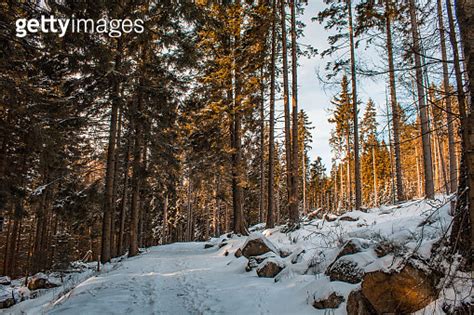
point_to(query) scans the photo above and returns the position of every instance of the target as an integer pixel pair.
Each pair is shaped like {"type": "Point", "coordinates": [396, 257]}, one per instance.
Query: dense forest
{"type": "Point", "coordinates": [193, 128]}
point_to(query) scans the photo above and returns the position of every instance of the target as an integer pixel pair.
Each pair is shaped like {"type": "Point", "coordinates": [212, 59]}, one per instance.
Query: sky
{"type": "Point", "coordinates": [314, 99]}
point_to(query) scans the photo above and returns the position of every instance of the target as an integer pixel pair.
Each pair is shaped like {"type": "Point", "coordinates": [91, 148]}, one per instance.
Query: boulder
{"type": "Point", "coordinates": [330, 217]}
{"type": "Point", "coordinates": [332, 301]}
{"type": "Point", "coordinates": [208, 245]}
{"type": "Point", "coordinates": [5, 280]}
{"type": "Point", "coordinates": [6, 298]}
{"type": "Point", "coordinates": [345, 270]}
{"type": "Point", "coordinates": [352, 246]}
{"type": "Point", "coordinates": [284, 253]}
{"type": "Point", "coordinates": [251, 264]}
{"type": "Point", "coordinates": [238, 253]}
{"type": "Point", "coordinates": [270, 268]}
{"type": "Point", "coordinates": [384, 248]}
{"type": "Point", "coordinates": [40, 281]}
{"type": "Point", "coordinates": [357, 304]}
{"type": "Point", "coordinates": [256, 245]}
{"type": "Point", "coordinates": [402, 292]}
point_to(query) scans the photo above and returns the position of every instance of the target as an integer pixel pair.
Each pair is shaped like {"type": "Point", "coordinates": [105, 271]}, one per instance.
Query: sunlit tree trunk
{"type": "Point", "coordinates": [357, 179]}
{"type": "Point", "coordinates": [394, 103]}
{"type": "Point", "coordinates": [271, 141]}
{"type": "Point", "coordinates": [425, 129]}
{"type": "Point", "coordinates": [447, 98]}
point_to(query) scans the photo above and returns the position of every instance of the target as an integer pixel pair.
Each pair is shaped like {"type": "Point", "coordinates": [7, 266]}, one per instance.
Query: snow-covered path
{"type": "Point", "coordinates": [181, 278]}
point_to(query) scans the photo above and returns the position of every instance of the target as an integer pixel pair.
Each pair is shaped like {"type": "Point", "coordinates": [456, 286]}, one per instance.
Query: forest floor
{"type": "Point", "coordinates": [186, 278]}
{"type": "Point", "coordinates": [181, 278]}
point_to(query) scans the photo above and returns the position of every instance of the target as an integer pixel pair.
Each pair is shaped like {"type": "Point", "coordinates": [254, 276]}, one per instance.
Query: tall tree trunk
{"type": "Point", "coordinates": [136, 178]}
{"type": "Point", "coordinates": [294, 200]}
{"type": "Point", "coordinates": [286, 99]}
{"type": "Point", "coordinates": [109, 204]}
{"type": "Point", "coordinates": [449, 111]}
{"type": "Point", "coordinates": [123, 208]}
{"type": "Point", "coordinates": [465, 204]}
{"type": "Point", "coordinates": [358, 185]}
{"type": "Point", "coordinates": [374, 170]}
{"type": "Point", "coordinates": [303, 177]}
{"type": "Point", "coordinates": [394, 103]}
{"type": "Point", "coordinates": [262, 145]}
{"type": "Point", "coordinates": [238, 220]}
{"type": "Point", "coordinates": [271, 142]}
{"type": "Point", "coordinates": [113, 238]}
{"type": "Point", "coordinates": [425, 129]}
{"type": "Point", "coordinates": [457, 63]}
{"type": "Point", "coordinates": [348, 170]}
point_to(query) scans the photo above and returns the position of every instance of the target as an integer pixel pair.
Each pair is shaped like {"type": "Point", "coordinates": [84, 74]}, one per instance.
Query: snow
{"type": "Point", "coordinates": [185, 278]}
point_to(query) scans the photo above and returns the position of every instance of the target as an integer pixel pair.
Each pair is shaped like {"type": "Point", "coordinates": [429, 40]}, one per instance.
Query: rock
{"type": "Point", "coordinates": [208, 245]}
{"type": "Point", "coordinates": [345, 270]}
{"type": "Point", "coordinates": [5, 280]}
{"type": "Point", "coordinates": [330, 217]}
{"type": "Point", "coordinates": [40, 281]}
{"type": "Point", "coordinates": [357, 304]}
{"type": "Point", "coordinates": [238, 253]}
{"type": "Point", "coordinates": [384, 248]}
{"type": "Point", "coordinates": [6, 298]}
{"type": "Point", "coordinates": [401, 292]}
{"type": "Point", "coordinates": [352, 246]}
{"type": "Point", "coordinates": [284, 253]}
{"type": "Point", "coordinates": [332, 301]}
{"type": "Point", "coordinates": [222, 244]}
{"type": "Point", "coordinates": [226, 253]}
{"type": "Point", "coordinates": [270, 268]}
{"type": "Point", "coordinates": [256, 245]}
{"type": "Point", "coordinates": [251, 264]}
{"type": "Point", "coordinates": [348, 218]}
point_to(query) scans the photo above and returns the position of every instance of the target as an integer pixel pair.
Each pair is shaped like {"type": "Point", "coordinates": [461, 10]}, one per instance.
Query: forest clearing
{"type": "Point", "coordinates": [236, 157]}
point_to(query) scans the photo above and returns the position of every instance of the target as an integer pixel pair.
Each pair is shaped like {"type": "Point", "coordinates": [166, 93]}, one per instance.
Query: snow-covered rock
{"type": "Point", "coordinates": [257, 244]}
{"type": "Point", "coordinates": [402, 292]}
{"type": "Point", "coordinates": [270, 267]}
{"type": "Point", "coordinates": [41, 281]}
{"type": "Point", "coordinates": [332, 301]}
{"type": "Point", "coordinates": [5, 280]}
{"type": "Point", "coordinates": [357, 304]}
{"type": "Point", "coordinates": [6, 298]}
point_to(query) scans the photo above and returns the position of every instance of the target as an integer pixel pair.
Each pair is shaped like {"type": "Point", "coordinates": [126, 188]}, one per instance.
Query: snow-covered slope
{"type": "Point", "coordinates": [185, 278]}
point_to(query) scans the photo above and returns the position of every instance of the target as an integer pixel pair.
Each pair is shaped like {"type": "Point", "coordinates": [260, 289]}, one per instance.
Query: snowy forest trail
{"type": "Point", "coordinates": [180, 278]}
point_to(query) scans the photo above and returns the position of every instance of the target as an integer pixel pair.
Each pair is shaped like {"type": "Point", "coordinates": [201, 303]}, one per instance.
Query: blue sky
{"type": "Point", "coordinates": [313, 98]}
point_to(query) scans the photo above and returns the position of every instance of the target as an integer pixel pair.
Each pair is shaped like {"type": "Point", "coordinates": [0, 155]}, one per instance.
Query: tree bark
{"type": "Point", "coordinates": [457, 63]}
{"type": "Point", "coordinates": [286, 99]}
{"type": "Point", "coordinates": [123, 208]}
{"type": "Point", "coordinates": [109, 204]}
{"type": "Point", "coordinates": [425, 129]}
{"type": "Point", "coordinates": [394, 103]}
{"type": "Point", "coordinates": [271, 142]}
{"type": "Point", "coordinates": [465, 16]}
{"type": "Point", "coordinates": [453, 180]}
{"type": "Point", "coordinates": [294, 200]}
{"type": "Point", "coordinates": [136, 178]}
{"type": "Point", "coordinates": [358, 189]}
